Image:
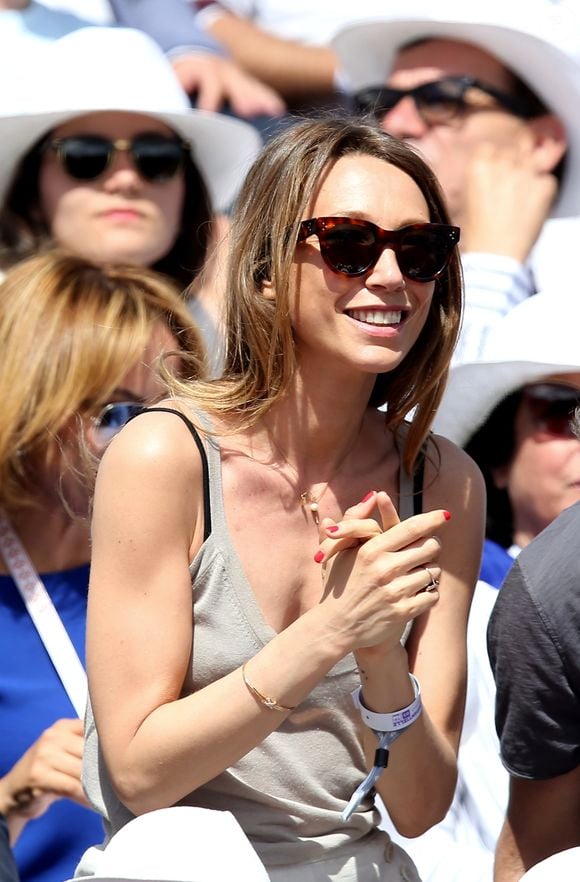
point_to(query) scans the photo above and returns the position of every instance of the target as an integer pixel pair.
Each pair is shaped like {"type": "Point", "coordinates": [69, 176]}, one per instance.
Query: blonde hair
{"type": "Point", "coordinates": [260, 359]}
{"type": "Point", "coordinates": [69, 332]}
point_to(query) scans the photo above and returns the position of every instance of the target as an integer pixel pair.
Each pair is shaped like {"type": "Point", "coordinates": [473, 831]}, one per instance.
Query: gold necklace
{"type": "Point", "coordinates": [306, 497]}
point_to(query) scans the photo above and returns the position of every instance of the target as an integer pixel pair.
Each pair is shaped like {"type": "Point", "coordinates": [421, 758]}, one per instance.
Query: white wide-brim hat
{"type": "Point", "coordinates": [539, 41]}
{"type": "Point", "coordinates": [537, 338]}
{"type": "Point", "coordinates": [180, 844]}
{"type": "Point", "coordinates": [119, 69]}
{"type": "Point", "coordinates": [561, 867]}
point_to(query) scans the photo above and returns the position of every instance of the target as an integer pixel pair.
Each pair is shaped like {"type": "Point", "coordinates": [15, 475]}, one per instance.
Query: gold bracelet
{"type": "Point", "coordinates": [268, 702]}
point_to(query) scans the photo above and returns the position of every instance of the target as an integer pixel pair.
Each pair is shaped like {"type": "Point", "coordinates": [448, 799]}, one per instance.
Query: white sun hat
{"type": "Point", "coordinates": [105, 69]}
{"type": "Point", "coordinates": [537, 338]}
{"type": "Point", "coordinates": [180, 844]}
{"type": "Point", "coordinates": [561, 867]}
{"type": "Point", "coordinates": [538, 40]}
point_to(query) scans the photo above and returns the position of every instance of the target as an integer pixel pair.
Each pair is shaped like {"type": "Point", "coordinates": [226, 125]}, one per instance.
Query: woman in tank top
{"type": "Point", "coordinates": [243, 588]}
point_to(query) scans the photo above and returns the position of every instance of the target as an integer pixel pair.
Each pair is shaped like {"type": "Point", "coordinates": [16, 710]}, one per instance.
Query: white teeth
{"type": "Point", "coordinates": [376, 316]}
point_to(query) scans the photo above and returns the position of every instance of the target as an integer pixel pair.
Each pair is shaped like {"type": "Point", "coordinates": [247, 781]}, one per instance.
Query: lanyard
{"type": "Point", "coordinates": [44, 616]}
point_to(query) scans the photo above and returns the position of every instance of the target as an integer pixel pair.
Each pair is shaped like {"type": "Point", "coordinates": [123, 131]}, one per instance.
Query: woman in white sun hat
{"type": "Point", "coordinates": [101, 154]}
{"type": "Point", "coordinates": [511, 411]}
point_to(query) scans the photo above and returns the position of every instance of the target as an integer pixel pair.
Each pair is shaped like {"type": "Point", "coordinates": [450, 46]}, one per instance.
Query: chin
{"type": "Point", "coordinates": [130, 255]}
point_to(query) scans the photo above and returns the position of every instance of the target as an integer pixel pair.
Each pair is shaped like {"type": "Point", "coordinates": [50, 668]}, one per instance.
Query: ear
{"type": "Point", "coordinates": [268, 292]}
{"type": "Point", "coordinates": [550, 143]}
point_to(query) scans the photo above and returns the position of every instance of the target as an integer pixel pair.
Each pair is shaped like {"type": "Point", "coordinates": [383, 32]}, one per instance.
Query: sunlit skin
{"type": "Point", "coordinates": [449, 148]}
{"type": "Point", "coordinates": [119, 217]}
{"type": "Point", "coordinates": [325, 331]}
{"type": "Point", "coordinates": [543, 477]}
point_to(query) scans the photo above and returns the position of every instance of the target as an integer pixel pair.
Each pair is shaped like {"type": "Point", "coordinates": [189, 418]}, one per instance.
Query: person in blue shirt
{"type": "Point", "coordinates": [80, 347]}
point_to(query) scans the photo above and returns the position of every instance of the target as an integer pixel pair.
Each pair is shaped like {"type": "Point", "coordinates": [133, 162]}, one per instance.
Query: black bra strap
{"type": "Point", "coordinates": [204, 464]}
{"type": "Point", "coordinates": [418, 478]}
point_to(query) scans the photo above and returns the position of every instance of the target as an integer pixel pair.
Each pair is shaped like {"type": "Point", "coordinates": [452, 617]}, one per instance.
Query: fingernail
{"type": "Point", "coordinates": [368, 496]}
{"type": "Point", "coordinates": [318, 556]}
{"type": "Point", "coordinates": [331, 529]}
{"type": "Point", "coordinates": [447, 515]}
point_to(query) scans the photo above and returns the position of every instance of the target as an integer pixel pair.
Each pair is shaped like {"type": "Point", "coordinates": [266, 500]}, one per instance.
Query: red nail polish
{"type": "Point", "coordinates": [332, 529]}
{"type": "Point", "coordinates": [368, 496]}
{"type": "Point", "coordinates": [447, 515]}
{"type": "Point", "coordinates": [318, 556]}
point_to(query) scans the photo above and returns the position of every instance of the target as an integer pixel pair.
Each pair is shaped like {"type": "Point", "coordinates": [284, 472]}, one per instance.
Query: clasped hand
{"type": "Point", "coordinates": [377, 571]}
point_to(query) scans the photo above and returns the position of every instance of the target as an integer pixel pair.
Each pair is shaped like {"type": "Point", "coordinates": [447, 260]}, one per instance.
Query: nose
{"type": "Point", "coordinates": [121, 175]}
{"type": "Point", "coordinates": [386, 273]}
{"type": "Point", "coordinates": [404, 120]}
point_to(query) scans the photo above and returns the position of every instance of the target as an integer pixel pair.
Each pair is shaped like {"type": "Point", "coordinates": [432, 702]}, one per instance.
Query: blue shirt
{"type": "Point", "coordinates": [32, 698]}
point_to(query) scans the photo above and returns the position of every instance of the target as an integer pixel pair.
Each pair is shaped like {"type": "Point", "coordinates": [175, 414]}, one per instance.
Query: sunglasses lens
{"type": "Point", "coordinates": [349, 248]}
{"type": "Point", "coordinates": [439, 102]}
{"type": "Point", "coordinates": [157, 158]}
{"type": "Point", "coordinates": [424, 254]}
{"type": "Point", "coordinates": [552, 407]}
{"type": "Point", "coordinates": [84, 159]}
{"type": "Point", "coordinates": [114, 416]}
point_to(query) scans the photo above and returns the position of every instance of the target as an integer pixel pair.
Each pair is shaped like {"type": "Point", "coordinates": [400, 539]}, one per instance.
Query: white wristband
{"type": "Point", "coordinates": [393, 722]}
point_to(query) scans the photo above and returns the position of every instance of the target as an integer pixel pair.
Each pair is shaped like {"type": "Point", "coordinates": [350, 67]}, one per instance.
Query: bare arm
{"type": "Point", "coordinates": [423, 768]}
{"type": "Point", "coordinates": [418, 785]}
{"type": "Point", "coordinates": [543, 818]}
{"type": "Point", "coordinates": [293, 69]}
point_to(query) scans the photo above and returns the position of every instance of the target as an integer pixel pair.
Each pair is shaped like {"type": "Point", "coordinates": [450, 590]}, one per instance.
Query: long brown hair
{"type": "Point", "coordinates": [260, 357]}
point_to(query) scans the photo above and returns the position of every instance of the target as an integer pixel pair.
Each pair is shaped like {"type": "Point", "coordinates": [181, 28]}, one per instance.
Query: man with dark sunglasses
{"type": "Point", "coordinates": [488, 93]}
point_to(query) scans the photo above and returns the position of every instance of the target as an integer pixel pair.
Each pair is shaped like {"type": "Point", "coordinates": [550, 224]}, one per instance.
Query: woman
{"type": "Point", "coordinates": [80, 349]}
{"type": "Point", "coordinates": [511, 411]}
{"type": "Point", "coordinates": [115, 167]}
{"type": "Point", "coordinates": [248, 706]}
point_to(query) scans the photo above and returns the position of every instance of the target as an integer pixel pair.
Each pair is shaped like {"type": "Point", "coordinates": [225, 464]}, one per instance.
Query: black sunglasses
{"type": "Point", "coordinates": [352, 246]}
{"type": "Point", "coordinates": [442, 100]}
{"type": "Point", "coordinates": [113, 417]}
{"type": "Point", "coordinates": [551, 407]}
{"type": "Point", "coordinates": [156, 157]}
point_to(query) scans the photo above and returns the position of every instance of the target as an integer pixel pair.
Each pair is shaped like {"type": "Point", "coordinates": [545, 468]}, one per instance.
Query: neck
{"type": "Point", "coordinates": [318, 423]}
{"type": "Point", "coordinates": [53, 540]}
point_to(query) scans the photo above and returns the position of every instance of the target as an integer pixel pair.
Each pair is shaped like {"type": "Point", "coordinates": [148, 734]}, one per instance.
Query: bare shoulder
{"type": "Point", "coordinates": [154, 444]}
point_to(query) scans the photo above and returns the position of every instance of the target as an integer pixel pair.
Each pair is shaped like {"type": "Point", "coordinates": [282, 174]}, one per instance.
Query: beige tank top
{"type": "Point", "coordinates": [289, 791]}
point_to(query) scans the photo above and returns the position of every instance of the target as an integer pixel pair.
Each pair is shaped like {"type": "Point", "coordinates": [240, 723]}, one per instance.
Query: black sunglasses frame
{"type": "Point", "coordinates": [142, 149]}
{"type": "Point", "coordinates": [323, 227]}
{"type": "Point", "coordinates": [447, 92]}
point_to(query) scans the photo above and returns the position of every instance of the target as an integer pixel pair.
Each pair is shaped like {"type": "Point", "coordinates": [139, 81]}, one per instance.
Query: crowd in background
{"type": "Point", "coordinates": [127, 130]}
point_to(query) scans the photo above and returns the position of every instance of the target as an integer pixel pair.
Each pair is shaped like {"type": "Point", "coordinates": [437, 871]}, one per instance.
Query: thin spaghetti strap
{"type": "Point", "coordinates": [204, 463]}
{"type": "Point", "coordinates": [418, 478]}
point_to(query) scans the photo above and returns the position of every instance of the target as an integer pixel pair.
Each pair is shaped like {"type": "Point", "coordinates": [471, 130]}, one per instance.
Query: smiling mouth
{"type": "Point", "coordinates": [379, 317]}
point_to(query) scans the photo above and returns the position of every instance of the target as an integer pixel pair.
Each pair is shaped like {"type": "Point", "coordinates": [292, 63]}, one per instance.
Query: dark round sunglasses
{"type": "Point", "coordinates": [156, 157]}
{"type": "Point", "coordinates": [552, 407]}
{"type": "Point", "coordinates": [113, 417]}
{"type": "Point", "coordinates": [443, 100]}
{"type": "Point", "coordinates": [351, 246]}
